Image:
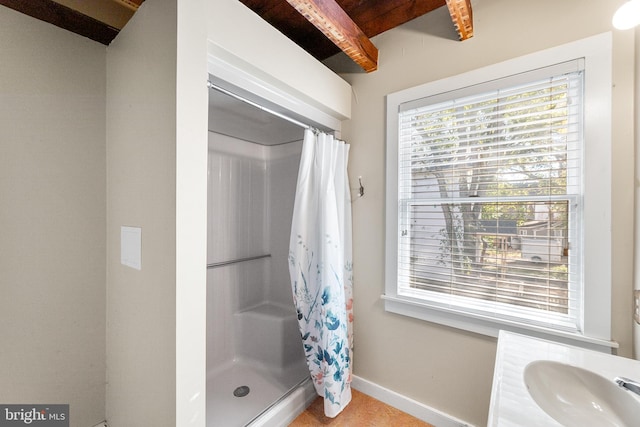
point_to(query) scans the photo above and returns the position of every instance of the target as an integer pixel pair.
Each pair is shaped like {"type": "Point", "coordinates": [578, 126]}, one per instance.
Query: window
{"type": "Point", "coordinates": [492, 192]}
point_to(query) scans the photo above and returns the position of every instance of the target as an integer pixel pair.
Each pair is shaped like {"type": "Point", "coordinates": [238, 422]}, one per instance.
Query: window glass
{"type": "Point", "coordinates": [477, 171]}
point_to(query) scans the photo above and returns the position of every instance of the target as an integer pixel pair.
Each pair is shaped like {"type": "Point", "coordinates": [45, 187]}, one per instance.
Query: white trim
{"type": "Point", "coordinates": [489, 326]}
{"type": "Point", "coordinates": [406, 404]}
{"type": "Point", "coordinates": [597, 261]}
{"type": "Point", "coordinates": [237, 76]}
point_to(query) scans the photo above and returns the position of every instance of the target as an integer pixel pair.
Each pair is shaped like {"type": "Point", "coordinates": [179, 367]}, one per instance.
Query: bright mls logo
{"type": "Point", "coordinates": [34, 415]}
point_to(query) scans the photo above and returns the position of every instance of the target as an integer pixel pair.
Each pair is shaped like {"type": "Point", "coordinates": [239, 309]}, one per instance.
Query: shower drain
{"type": "Point", "coordinates": [241, 391]}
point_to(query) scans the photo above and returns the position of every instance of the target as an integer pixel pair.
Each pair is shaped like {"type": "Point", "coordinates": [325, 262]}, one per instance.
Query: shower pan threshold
{"type": "Point", "coordinates": [265, 387]}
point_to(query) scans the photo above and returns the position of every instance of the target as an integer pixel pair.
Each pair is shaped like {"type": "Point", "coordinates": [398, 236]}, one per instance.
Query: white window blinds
{"type": "Point", "coordinates": [489, 191]}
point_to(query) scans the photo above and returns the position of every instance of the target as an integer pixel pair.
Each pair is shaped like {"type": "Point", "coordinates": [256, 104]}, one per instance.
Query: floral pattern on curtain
{"type": "Point", "coordinates": [320, 266]}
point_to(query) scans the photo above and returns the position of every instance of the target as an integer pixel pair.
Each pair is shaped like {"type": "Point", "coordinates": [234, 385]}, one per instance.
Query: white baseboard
{"type": "Point", "coordinates": [405, 404]}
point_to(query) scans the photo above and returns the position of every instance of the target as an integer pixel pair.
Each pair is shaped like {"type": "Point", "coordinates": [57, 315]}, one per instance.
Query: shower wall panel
{"type": "Point", "coordinates": [238, 218]}
{"type": "Point", "coordinates": [238, 205]}
{"type": "Point", "coordinates": [283, 171]}
{"type": "Point", "coordinates": [251, 192]}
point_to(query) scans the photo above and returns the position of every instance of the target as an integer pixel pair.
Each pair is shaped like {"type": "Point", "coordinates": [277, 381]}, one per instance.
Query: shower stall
{"type": "Point", "coordinates": [255, 360]}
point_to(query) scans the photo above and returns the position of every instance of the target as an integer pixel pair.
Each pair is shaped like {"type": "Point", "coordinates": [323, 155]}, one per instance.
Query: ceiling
{"type": "Point", "coordinates": [372, 16]}
{"type": "Point", "coordinates": [321, 27]}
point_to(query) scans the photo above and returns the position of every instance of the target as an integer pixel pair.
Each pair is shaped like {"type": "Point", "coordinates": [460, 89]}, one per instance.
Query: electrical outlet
{"type": "Point", "coordinates": [636, 305]}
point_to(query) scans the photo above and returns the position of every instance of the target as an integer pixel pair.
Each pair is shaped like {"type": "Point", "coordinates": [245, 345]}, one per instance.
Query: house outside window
{"type": "Point", "coordinates": [492, 195]}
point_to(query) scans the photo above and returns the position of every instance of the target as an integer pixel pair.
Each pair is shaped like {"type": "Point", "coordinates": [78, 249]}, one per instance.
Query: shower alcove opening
{"type": "Point", "coordinates": [256, 371]}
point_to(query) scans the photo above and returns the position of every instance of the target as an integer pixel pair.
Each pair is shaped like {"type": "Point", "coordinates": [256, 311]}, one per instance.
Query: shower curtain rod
{"type": "Point", "coordinates": [265, 109]}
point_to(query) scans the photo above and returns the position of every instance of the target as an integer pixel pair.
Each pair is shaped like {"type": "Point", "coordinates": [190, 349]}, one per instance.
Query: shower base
{"type": "Point", "coordinates": [260, 387]}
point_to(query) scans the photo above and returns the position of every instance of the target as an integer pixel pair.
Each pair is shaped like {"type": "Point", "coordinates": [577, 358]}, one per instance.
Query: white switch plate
{"type": "Point", "coordinates": [131, 247]}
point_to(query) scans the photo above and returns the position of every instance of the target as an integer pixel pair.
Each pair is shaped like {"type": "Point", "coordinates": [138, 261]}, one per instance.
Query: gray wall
{"type": "Point", "coordinates": [636, 326]}
{"type": "Point", "coordinates": [141, 192]}
{"type": "Point", "coordinates": [52, 217]}
{"type": "Point", "coordinates": [445, 368]}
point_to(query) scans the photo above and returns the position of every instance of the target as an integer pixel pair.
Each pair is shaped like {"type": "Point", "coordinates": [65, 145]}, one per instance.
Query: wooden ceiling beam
{"type": "Point", "coordinates": [462, 17]}
{"type": "Point", "coordinates": [131, 4]}
{"type": "Point", "coordinates": [64, 17]}
{"type": "Point", "coordinates": [335, 24]}
{"type": "Point", "coordinates": [375, 17]}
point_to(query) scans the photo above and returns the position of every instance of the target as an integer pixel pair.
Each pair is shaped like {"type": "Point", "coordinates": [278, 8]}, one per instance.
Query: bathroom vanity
{"type": "Point", "coordinates": [543, 383]}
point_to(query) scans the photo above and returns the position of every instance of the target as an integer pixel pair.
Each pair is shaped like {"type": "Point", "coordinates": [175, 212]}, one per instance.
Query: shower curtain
{"type": "Point", "coordinates": [320, 266]}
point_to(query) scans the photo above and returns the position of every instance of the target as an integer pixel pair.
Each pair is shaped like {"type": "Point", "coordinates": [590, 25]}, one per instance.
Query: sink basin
{"type": "Point", "coordinates": [578, 397]}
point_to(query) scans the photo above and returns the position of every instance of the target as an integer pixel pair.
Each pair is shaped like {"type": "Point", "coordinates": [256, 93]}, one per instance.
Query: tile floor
{"type": "Point", "coordinates": [363, 411]}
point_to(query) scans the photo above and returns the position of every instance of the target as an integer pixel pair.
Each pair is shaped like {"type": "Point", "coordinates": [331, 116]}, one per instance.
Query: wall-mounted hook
{"type": "Point", "coordinates": [361, 188]}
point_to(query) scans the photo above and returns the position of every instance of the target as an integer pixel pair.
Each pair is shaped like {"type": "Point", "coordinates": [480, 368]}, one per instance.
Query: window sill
{"type": "Point", "coordinates": [488, 326]}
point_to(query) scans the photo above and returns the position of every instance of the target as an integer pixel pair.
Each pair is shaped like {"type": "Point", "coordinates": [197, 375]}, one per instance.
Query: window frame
{"type": "Point", "coordinates": [595, 325]}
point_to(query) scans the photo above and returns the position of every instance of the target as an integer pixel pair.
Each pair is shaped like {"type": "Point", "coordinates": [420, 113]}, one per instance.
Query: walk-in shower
{"type": "Point", "coordinates": [254, 352]}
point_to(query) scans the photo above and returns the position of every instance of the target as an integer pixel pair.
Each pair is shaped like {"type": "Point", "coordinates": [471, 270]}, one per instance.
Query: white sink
{"type": "Point", "coordinates": [578, 397]}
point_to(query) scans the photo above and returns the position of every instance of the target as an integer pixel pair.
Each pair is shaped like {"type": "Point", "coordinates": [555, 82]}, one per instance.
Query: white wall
{"type": "Point", "coordinates": [191, 213]}
{"type": "Point", "coordinates": [443, 367]}
{"type": "Point", "coordinates": [52, 217]}
{"type": "Point", "coordinates": [141, 192]}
